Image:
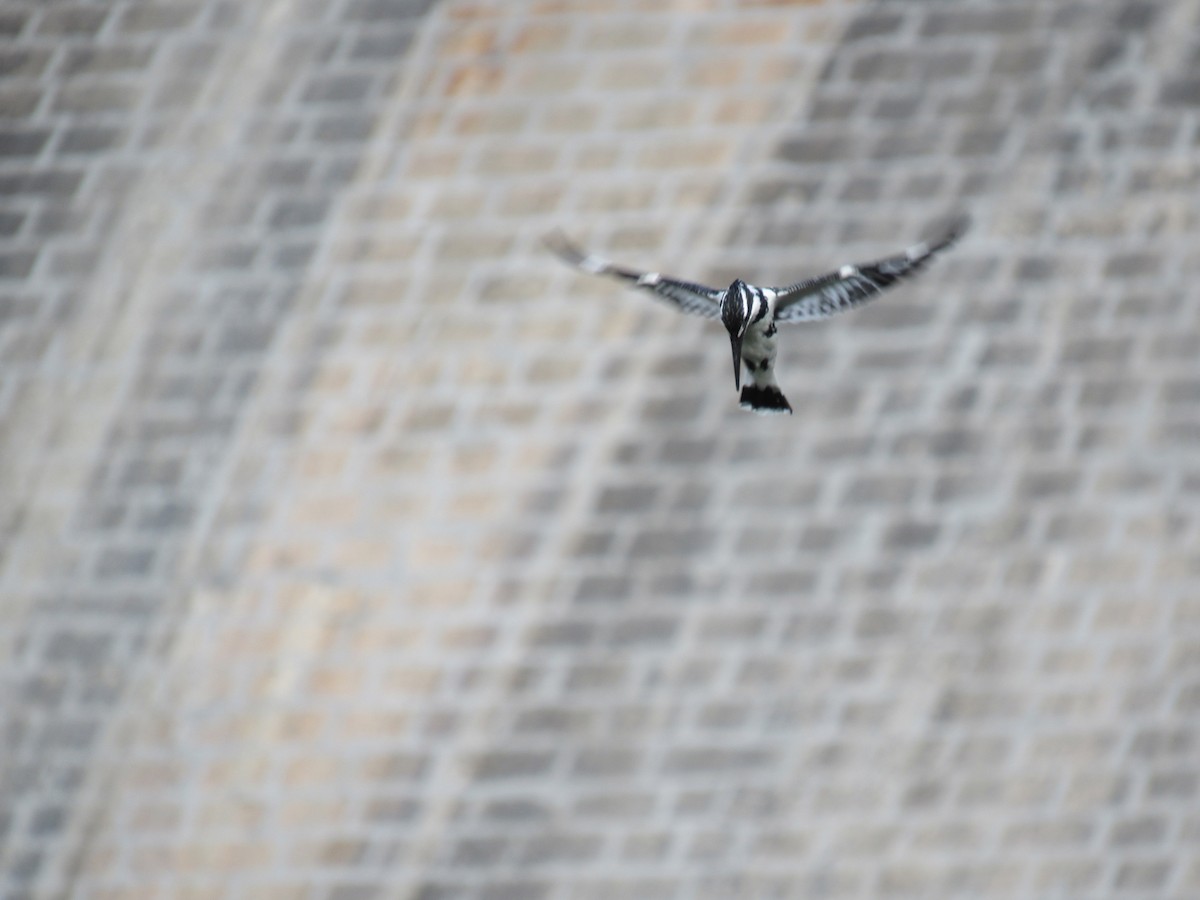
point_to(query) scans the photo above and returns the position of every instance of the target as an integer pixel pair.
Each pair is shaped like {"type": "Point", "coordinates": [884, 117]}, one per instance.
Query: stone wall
{"type": "Point", "coordinates": [352, 547]}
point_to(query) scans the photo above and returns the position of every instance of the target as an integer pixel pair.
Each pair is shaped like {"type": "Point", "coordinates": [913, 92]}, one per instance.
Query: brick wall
{"type": "Point", "coordinates": [352, 547]}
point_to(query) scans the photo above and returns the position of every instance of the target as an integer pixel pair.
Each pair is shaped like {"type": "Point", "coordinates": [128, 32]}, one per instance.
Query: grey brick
{"type": "Point", "coordinates": [92, 61]}
{"type": "Point", "coordinates": [13, 21]}
{"type": "Point", "coordinates": [876, 24]}
{"type": "Point", "coordinates": [1155, 744]}
{"type": "Point", "coordinates": [17, 265]}
{"type": "Point", "coordinates": [907, 535]}
{"type": "Point", "coordinates": [129, 562]}
{"type": "Point", "coordinates": [1145, 830]}
{"type": "Point", "coordinates": [89, 140]}
{"type": "Point", "coordinates": [512, 764]}
{"type": "Point", "coordinates": [153, 17]}
{"type": "Point", "coordinates": [82, 99]}
{"type": "Point", "coordinates": [643, 630]}
{"type": "Point", "coordinates": [387, 10]}
{"type": "Point", "coordinates": [470, 852]}
{"type": "Point", "coordinates": [813, 150]}
{"type": "Point", "coordinates": [1177, 786]}
{"type": "Point", "coordinates": [71, 19]}
{"type": "Point", "coordinates": [1181, 92]}
{"type": "Point", "coordinates": [881, 490]}
{"type": "Point", "coordinates": [1151, 875]}
{"type": "Point", "coordinates": [381, 43]}
{"type": "Point", "coordinates": [510, 812]}
{"type": "Point", "coordinates": [18, 102]}
{"type": "Point", "coordinates": [671, 543]}
{"type": "Point", "coordinates": [516, 890]}
{"type": "Point", "coordinates": [57, 183]}
{"type": "Point", "coordinates": [697, 760]}
{"type": "Point", "coordinates": [297, 213]}
{"type": "Point", "coordinates": [1004, 21]}
{"type": "Point", "coordinates": [22, 142]}
{"type": "Point", "coordinates": [558, 849]}
{"type": "Point", "coordinates": [606, 762]}
{"type": "Point", "coordinates": [10, 222]}
{"type": "Point", "coordinates": [348, 88]}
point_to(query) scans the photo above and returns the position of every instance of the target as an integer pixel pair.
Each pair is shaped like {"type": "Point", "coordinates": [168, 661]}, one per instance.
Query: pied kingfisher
{"type": "Point", "coordinates": [751, 313]}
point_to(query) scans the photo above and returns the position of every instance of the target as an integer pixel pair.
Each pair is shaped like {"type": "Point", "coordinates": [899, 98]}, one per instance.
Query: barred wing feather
{"type": "Point", "coordinates": [850, 286]}
{"type": "Point", "coordinates": [693, 299]}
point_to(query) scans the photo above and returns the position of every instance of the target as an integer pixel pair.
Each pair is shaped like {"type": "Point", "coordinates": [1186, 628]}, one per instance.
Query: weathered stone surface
{"type": "Point", "coordinates": [352, 547]}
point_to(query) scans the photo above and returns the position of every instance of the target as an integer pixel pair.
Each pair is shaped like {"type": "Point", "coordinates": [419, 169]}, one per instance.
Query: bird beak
{"type": "Point", "coordinates": [735, 341]}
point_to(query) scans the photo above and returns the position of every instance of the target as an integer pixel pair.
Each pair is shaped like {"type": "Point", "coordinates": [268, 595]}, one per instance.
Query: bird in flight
{"type": "Point", "coordinates": [750, 314]}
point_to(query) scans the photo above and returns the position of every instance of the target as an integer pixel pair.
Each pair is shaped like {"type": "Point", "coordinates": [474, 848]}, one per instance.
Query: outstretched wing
{"type": "Point", "coordinates": [694, 299]}
{"type": "Point", "coordinates": [850, 286]}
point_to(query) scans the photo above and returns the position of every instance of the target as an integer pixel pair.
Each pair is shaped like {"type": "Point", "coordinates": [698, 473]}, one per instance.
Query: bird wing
{"type": "Point", "coordinates": [850, 286]}
{"type": "Point", "coordinates": [694, 299]}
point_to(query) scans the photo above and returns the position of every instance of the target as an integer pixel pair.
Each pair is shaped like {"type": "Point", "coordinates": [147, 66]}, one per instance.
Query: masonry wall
{"type": "Point", "coordinates": [352, 547]}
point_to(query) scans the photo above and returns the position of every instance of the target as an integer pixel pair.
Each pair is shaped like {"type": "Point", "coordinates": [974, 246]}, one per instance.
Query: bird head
{"type": "Point", "coordinates": [735, 314]}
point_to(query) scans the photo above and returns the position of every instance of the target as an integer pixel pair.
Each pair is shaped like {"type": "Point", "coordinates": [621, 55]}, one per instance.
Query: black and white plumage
{"type": "Point", "coordinates": [750, 314]}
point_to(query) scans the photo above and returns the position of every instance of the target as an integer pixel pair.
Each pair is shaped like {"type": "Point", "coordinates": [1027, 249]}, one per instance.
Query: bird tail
{"type": "Point", "coordinates": [766, 400]}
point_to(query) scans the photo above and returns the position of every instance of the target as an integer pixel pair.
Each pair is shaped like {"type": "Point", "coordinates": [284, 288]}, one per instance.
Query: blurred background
{"type": "Point", "coordinates": [353, 547]}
